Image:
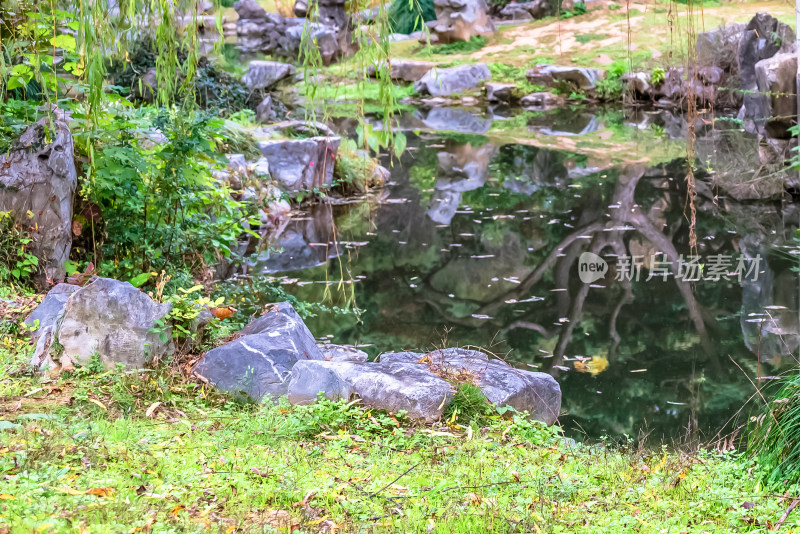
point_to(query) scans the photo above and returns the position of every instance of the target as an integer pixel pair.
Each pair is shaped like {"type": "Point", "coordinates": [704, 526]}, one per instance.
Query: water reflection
{"type": "Point", "coordinates": [478, 243]}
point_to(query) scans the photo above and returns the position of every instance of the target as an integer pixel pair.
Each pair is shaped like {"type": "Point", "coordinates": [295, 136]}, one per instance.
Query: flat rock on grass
{"type": "Point", "coordinates": [109, 318]}
{"type": "Point", "coordinates": [537, 393]}
{"type": "Point", "coordinates": [259, 363]}
{"type": "Point", "coordinates": [390, 386]}
{"type": "Point", "coordinates": [443, 82]}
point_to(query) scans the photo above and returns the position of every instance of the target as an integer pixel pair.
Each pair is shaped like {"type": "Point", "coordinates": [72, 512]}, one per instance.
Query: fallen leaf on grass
{"type": "Point", "coordinates": [151, 410]}
{"type": "Point", "coordinates": [7, 497]}
{"type": "Point", "coordinates": [98, 403]}
{"type": "Point", "coordinates": [69, 491]}
{"type": "Point", "coordinates": [100, 492]}
{"type": "Point", "coordinates": [176, 510]}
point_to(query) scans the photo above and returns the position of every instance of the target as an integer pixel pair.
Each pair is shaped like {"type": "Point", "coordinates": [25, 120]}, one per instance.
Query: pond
{"type": "Point", "coordinates": [480, 235]}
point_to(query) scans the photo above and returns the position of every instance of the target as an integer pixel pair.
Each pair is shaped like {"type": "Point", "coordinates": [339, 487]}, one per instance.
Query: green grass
{"type": "Point", "coordinates": [151, 452]}
{"type": "Point", "coordinates": [774, 439]}
{"type": "Point", "coordinates": [460, 47]}
{"type": "Point", "coordinates": [584, 38]}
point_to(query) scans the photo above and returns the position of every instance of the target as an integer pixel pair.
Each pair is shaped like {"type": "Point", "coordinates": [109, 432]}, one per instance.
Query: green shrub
{"type": "Point", "coordinates": [610, 89]}
{"type": "Point", "coordinates": [657, 76]}
{"type": "Point", "coordinates": [408, 16]}
{"type": "Point", "coordinates": [469, 405]}
{"type": "Point", "coordinates": [160, 208]}
{"type": "Point", "coordinates": [460, 47]}
{"type": "Point", "coordinates": [17, 264]}
{"type": "Point", "coordinates": [578, 9]}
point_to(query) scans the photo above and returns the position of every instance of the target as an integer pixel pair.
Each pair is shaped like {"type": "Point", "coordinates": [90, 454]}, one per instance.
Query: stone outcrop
{"type": "Point", "coordinates": [776, 80]}
{"type": "Point", "coordinates": [503, 385]}
{"type": "Point", "coordinates": [265, 74]}
{"type": "Point", "coordinates": [444, 82]}
{"type": "Point", "coordinates": [390, 386]}
{"type": "Point", "coordinates": [37, 185]}
{"type": "Point", "coordinates": [343, 353]}
{"type": "Point", "coordinates": [522, 11]}
{"type": "Point", "coordinates": [747, 67]}
{"type": "Point", "coordinates": [554, 75]}
{"type": "Point", "coordinates": [259, 363]}
{"type": "Point", "coordinates": [301, 164]}
{"type": "Point", "coordinates": [329, 28]}
{"type": "Point", "coordinates": [460, 20]}
{"type": "Point", "coordinates": [276, 355]}
{"type": "Point", "coordinates": [259, 31]}
{"type": "Point", "coordinates": [107, 318]}
{"type": "Point", "coordinates": [500, 92]}
{"type": "Point", "coordinates": [405, 70]}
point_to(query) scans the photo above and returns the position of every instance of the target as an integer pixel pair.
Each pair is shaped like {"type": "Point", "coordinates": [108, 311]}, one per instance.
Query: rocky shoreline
{"type": "Point", "coordinates": [273, 356]}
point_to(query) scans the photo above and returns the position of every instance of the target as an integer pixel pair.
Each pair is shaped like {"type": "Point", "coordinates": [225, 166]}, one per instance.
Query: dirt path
{"type": "Point", "coordinates": [651, 30]}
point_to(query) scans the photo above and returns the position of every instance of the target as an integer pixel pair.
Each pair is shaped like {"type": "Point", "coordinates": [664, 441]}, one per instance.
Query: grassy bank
{"type": "Point", "coordinates": [151, 452]}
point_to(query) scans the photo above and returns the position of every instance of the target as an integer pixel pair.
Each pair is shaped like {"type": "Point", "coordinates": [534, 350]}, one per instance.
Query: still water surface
{"type": "Point", "coordinates": [476, 240]}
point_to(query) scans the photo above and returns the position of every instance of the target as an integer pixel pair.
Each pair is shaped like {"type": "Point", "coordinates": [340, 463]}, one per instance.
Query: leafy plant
{"type": "Point", "coordinates": [579, 8]}
{"type": "Point", "coordinates": [469, 405]}
{"type": "Point", "coordinates": [408, 16]}
{"type": "Point", "coordinates": [17, 264]}
{"type": "Point", "coordinates": [657, 76]}
{"type": "Point", "coordinates": [161, 209]}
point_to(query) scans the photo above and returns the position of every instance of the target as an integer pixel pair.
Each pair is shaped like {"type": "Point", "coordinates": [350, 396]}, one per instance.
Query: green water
{"type": "Point", "coordinates": [476, 242]}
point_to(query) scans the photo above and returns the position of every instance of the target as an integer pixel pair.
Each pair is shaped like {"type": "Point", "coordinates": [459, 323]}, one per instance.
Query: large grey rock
{"type": "Point", "coordinates": [443, 82]}
{"type": "Point", "coordinates": [259, 363]}
{"type": "Point", "coordinates": [763, 37]}
{"type": "Point", "coordinates": [720, 47]}
{"type": "Point", "coordinates": [405, 70]}
{"type": "Point", "coordinates": [265, 74]}
{"type": "Point", "coordinates": [265, 111]}
{"type": "Point", "coordinates": [521, 11]}
{"type": "Point", "coordinates": [460, 20]}
{"type": "Point", "coordinates": [283, 36]}
{"type": "Point", "coordinates": [51, 310]}
{"type": "Point", "coordinates": [638, 84]}
{"type": "Point", "coordinates": [500, 92]}
{"type": "Point", "coordinates": [537, 393]}
{"type": "Point", "coordinates": [553, 75]}
{"type": "Point", "coordinates": [249, 9]}
{"type": "Point", "coordinates": [776, 79]}
{"type": "Point", "coordinates": [301, 164]}
{"type": "Point", "coordinates": [343, 353]}
{"type": "Point", "coordinates": [390, 386]}
{"type": "Point", "coordinates": [111, 319]}
{"type": "Point", "coordinates": [37, 185]}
